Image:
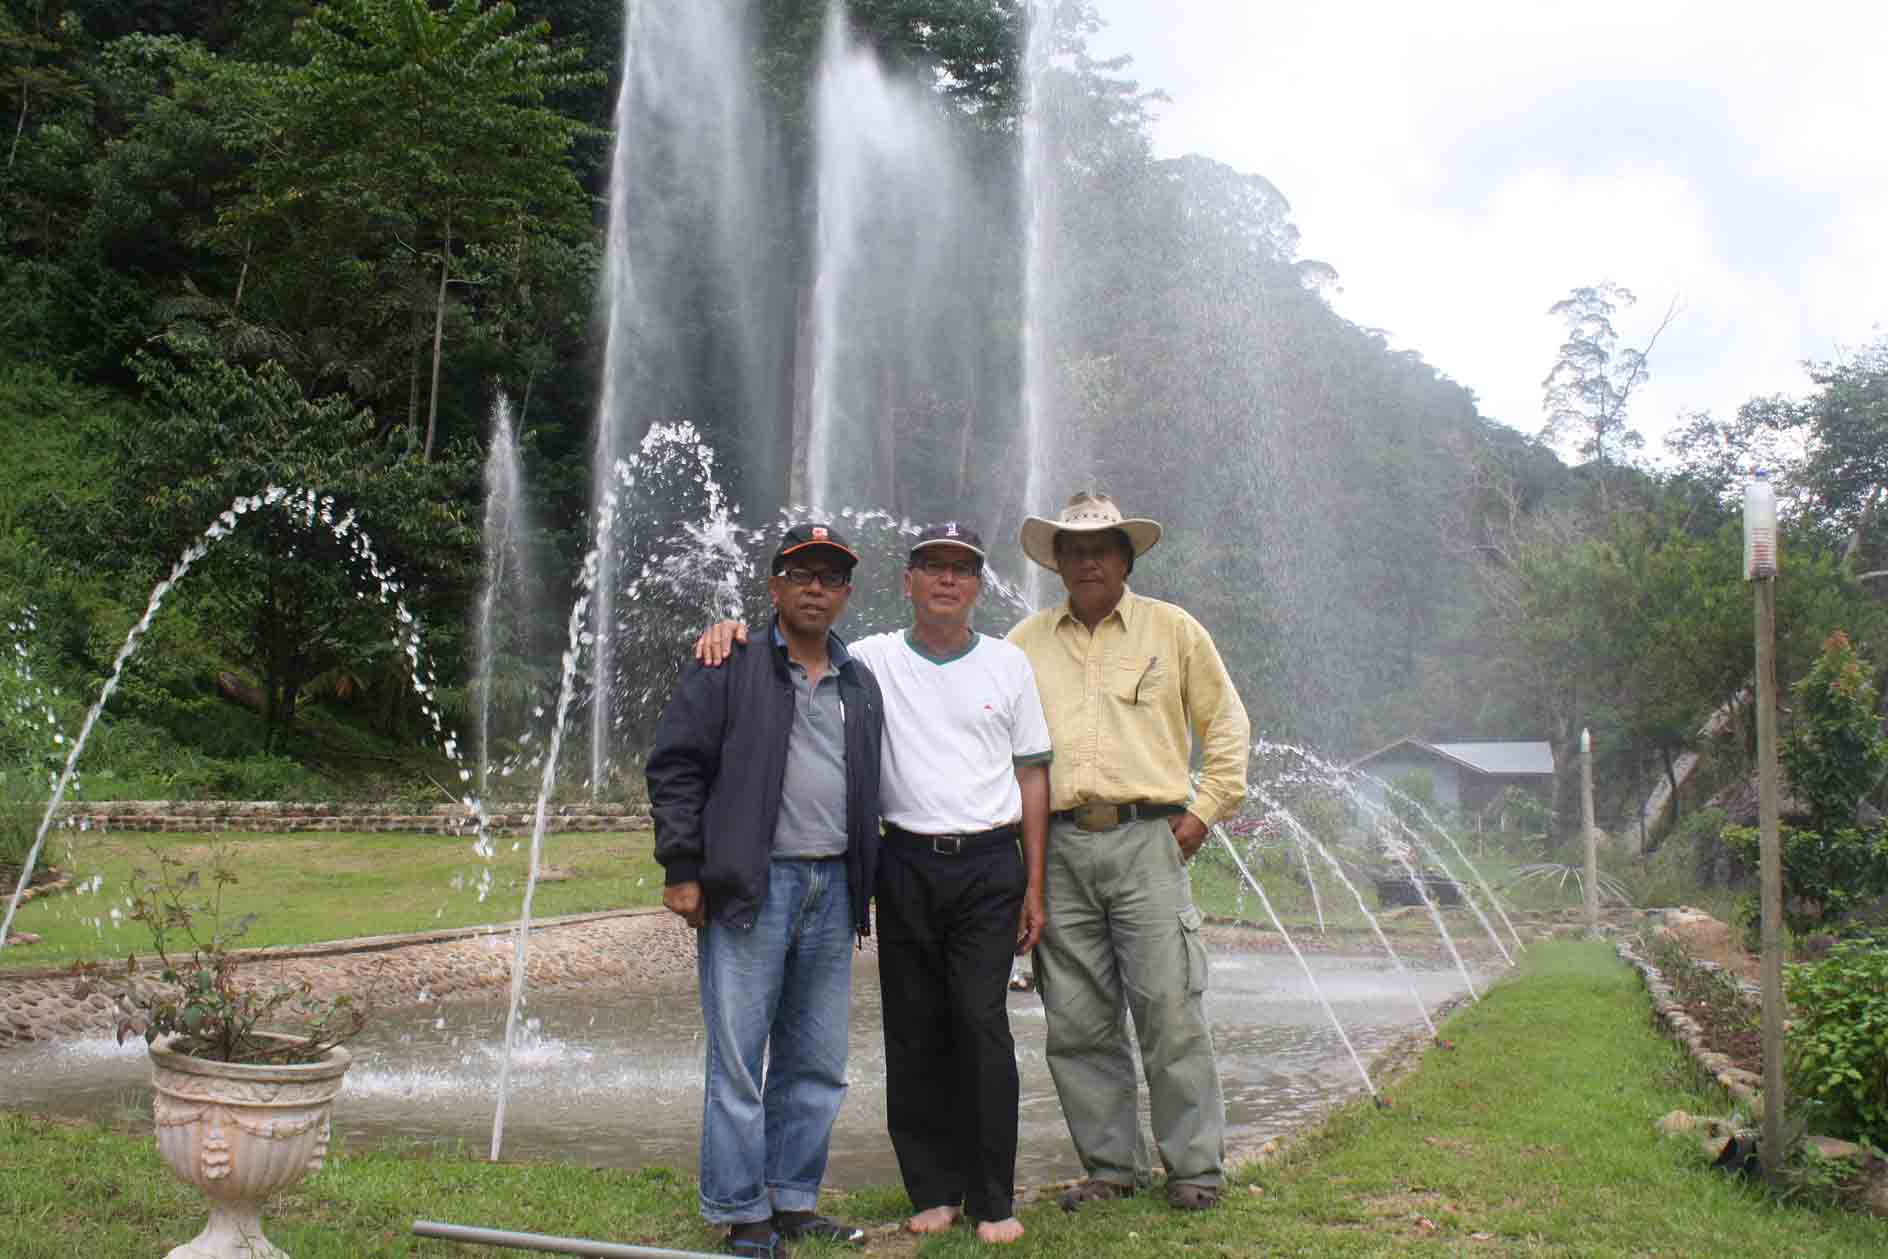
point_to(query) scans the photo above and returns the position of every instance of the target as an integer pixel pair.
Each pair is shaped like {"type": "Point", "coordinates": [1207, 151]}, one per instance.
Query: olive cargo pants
{"type": "Point", "coordinates": [1123, 936]}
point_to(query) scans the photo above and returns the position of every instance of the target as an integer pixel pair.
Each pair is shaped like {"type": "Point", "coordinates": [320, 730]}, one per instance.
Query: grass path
{"type": "Point", "coordinates": [1532, 1137]}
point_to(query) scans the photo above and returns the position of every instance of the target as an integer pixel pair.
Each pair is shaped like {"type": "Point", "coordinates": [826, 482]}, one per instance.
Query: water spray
{"type": "Point", "coordinates": [1305, 840]}
{"type": "Point", "coordinates": [1219, 832]}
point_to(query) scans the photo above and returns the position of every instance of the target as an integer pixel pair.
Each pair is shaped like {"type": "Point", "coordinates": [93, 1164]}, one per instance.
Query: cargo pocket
{"type": "Point", "coordinates": [1190, 921]}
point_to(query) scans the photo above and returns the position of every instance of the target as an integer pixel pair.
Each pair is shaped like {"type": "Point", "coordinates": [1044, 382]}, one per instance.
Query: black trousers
{"type": "Point", "coordinates": [947, 937]}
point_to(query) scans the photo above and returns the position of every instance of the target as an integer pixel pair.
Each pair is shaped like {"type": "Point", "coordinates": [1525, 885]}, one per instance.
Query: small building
{"type": "Point", "coordinates": [1463, 776]}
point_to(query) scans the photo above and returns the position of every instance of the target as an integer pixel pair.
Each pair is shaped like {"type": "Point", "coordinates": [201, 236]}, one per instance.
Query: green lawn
{"type": "Point", "coordinates": [306, 888]}
{"type": "Point", "coordinates": [1532, 1137]}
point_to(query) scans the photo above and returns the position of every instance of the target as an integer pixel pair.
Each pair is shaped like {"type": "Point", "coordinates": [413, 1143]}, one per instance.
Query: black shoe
{"type": "Point", "coordinates": [804, 1225]}
{"type": "Point", "coordinates": [1185, 1197]}
{"type": "Point", "coordinates": [1093, 1191]}
{"type": "Point", "coordinates": [755, 1241]}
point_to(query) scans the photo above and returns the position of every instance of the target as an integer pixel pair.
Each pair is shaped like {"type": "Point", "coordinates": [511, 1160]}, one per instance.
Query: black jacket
{"type": "Point", "coordinates": [716, 770]}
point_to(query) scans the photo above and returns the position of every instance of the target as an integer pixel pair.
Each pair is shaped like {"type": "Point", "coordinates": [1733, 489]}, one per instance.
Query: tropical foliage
{"type": "Point", "coordinates": [302, 244]}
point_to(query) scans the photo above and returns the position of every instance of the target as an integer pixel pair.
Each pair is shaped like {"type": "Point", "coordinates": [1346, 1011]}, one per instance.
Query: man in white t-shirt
{"type": "Point", "coordinates": [965, 770]}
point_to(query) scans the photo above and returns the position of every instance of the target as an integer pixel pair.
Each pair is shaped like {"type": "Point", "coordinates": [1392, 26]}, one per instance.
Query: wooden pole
{"type": "Point", "coordinates": [1590, 835]}
{"type": "Point", "coordinates": [1770, 1145]}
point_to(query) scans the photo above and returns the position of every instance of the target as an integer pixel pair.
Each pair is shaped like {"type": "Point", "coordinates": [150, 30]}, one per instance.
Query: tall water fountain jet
{"type": "Point", "coordinates": [1038, 203]}
{"type": "Point", "coordinates": [695, 298]}
{"type": "Point", "coordinates": [506, 536]}
{"type": "Point", "coordinates": [895, 295]}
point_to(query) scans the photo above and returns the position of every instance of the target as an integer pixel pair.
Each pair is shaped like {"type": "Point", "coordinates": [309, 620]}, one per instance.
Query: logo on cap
{"type": "Point", "coordinates": [950, 530]}
{"type": "Point", "coordinates": [819, 533]}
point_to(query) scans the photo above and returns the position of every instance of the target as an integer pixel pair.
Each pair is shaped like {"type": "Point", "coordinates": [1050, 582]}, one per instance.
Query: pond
{"type": "Point", "coordinates": [617, 1082]}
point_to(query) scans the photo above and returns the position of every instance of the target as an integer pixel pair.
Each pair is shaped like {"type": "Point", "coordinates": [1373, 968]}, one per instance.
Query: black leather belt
{"type": "Point", "coordinates": [951, 845]}
{"type": "Point", "coordinates": [1105, 817]}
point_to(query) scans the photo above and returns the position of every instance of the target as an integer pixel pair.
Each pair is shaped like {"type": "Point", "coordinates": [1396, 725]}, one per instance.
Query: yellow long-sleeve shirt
{"type": "Point", "coordinates": [1125, 702]}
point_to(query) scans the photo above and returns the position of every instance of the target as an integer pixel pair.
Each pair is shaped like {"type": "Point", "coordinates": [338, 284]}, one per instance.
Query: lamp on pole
{"type": "Point", "coordinates": [1760, 569]}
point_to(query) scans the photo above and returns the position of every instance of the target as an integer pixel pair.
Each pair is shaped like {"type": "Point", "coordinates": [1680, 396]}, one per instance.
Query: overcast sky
{"type": "Point", "coordinates": [1464, 163]}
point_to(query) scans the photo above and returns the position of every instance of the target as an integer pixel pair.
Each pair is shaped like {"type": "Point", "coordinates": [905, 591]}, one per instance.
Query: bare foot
{"type": "Point", "coordinates": [1000, 1232]}
{"type": "Point", "coordinates": [933, 1220]}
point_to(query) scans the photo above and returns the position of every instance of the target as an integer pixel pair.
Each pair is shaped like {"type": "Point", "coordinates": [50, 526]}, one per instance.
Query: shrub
{"type": "Point", "coordinates": [1662, 879]}
{"type": "Point", "coordinates": [1834, 750]}
{"type": "Point", "coordinates": [1827, 875]}
{"type": "Point", "coordinates": [199, 998]}
{"type": "Point", "coordinates": [1526, 823]}
{"type": "Point", "coordinates": [1837, 1044]}
{"type": "Point", "coordinates": [1709, 990]}
{"type": "Point", "coordinates": [1413, 789]}
{"type": "Point", "coordinates": [22, 803]}
{"type": "Point", "coordinates": [258, 777]}
{"type": "Point", "coordinates": [1699, 839]}
{"type": "Point", "coordinates": [1747, 917]}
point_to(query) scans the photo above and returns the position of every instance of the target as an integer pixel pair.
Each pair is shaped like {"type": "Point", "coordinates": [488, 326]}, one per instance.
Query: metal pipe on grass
{"type": "Point", "coordinates": [505, 1239]}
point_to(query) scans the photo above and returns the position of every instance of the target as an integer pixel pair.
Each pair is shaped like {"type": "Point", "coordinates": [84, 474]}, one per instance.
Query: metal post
{"type": "Point", "coordinates": [1590, 835]}
{"type": "Point", "coordinates": [1770, 1146]}
{"type": "Point", "coordinates": [508, 1240]}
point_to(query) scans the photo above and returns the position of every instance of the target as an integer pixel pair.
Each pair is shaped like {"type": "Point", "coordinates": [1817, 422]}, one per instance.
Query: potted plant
{"type": "Point", "coordinates": [244, 1076]}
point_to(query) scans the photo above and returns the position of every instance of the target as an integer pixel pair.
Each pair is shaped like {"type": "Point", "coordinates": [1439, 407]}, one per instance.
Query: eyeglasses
{"type": "Point", "coordinates": [964, 569]}
{"type": "Point", "coordinates": [828, 578]}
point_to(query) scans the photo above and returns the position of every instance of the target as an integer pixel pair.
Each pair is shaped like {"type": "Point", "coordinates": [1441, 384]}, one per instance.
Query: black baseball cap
{"type": "Point", "coordinates": [949, 533]}
{"type": "Point", "coordinates": [808, 536]}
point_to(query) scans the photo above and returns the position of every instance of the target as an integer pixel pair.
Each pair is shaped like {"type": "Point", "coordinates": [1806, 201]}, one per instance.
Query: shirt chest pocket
{"type": "Point", "coordinates": [1138, 681]}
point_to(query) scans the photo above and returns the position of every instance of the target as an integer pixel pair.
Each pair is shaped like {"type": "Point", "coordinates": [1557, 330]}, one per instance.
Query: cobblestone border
{"type": "Point", "coordinates": [1745, 1086]}
{"type": "Point", "coordinates": [215, 816]}
{"type": "Point", "coordinates": [455, 964]}
{"type": "Point", "coordinates": [59, 884]}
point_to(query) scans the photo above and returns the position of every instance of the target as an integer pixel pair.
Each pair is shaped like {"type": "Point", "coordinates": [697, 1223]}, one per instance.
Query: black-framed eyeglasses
{"type": "Point", "coordinates": [933, 567]}
{"type": "Point", "coordinates": [828, 578]}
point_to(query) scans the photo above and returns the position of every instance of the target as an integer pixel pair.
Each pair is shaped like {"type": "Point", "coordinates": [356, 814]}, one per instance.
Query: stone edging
{"type": "Point", "coordinates": [351, 946]}
{"type": "Point", "coordinates": [1745, 1086]}
{"type": "Point", "coordinates": [506, 819]}
{"type": "Point", "coordinates": [59, 884]}
{"type": "Point", "coordinates": [47, 1003]}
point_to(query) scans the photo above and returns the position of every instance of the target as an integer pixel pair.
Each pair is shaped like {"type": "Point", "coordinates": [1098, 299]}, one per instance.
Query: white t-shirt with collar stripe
{"type": "Point", "coordinates": [956, 730]}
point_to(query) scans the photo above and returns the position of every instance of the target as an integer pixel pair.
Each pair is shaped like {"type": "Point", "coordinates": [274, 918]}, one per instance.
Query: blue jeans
{"type": "Point", "coordinates": [777, 994]}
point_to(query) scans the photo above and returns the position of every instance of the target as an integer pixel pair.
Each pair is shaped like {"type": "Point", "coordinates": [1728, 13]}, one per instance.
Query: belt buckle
{"type": "Point", "coordinates": [1097, 817]}
{"type": "Point", "coordinates": [947, 845]}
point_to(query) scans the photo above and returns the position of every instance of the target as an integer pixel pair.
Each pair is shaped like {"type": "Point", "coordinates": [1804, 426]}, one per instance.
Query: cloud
{"type": "Point", "coordinates": [1463, 165]}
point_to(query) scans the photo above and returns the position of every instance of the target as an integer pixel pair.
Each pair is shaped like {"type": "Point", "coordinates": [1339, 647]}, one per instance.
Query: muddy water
{"type": "Point", "coordinates": [618, 1083]}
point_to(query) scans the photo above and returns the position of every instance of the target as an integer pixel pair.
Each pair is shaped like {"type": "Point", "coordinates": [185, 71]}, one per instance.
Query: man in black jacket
{"type": "Point", "coordinates": [764, 786]}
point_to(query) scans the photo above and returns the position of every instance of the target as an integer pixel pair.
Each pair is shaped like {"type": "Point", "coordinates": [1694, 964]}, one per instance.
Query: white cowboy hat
{"type": "Point", "coordinates": [1085, 513]}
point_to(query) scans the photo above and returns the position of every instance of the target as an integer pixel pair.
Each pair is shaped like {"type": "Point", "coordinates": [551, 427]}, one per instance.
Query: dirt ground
{"type": "Point", "coordinates": [1709, 940]}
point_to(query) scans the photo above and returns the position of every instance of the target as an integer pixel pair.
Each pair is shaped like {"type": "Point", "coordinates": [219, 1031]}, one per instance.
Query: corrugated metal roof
{"type": "Point", "coordinates": [1502, 758]}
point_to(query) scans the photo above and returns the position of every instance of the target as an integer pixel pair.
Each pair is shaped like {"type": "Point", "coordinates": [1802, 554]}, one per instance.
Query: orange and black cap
{"type": "Point", "coordinates": [802, 538]}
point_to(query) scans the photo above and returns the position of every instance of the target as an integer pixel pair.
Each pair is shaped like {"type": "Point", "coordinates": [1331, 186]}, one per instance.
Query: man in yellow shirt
{"type": "Point", "coordinates": [1128, 685]}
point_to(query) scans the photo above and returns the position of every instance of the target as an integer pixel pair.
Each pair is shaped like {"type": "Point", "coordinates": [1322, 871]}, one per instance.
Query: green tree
{"type": "Point", "coordinates": [294, 595]}
{"type": "Point", "coordinates": [409, 135]}
{"type": "Point", "coordinates": [35, 63]}
{"type": "Point", "coordinates": [1842, 428]}
{"type": "Point", "coordinates": [1588, 391]}
{"type": "Point", "coordinates": [1834, 751]}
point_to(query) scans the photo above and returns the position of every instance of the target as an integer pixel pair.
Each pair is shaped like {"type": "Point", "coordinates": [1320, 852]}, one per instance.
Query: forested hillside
{"type": "Point", "coordinates": [254, 242]}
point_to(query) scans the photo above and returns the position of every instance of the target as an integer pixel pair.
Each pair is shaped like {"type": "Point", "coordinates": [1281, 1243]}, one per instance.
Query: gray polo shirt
{"type": "Point", "coordinates": [812, 821]}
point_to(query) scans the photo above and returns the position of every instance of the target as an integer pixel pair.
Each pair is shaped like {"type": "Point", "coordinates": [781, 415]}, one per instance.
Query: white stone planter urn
{"type": "Point", "coordinates": [239, 1132]}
